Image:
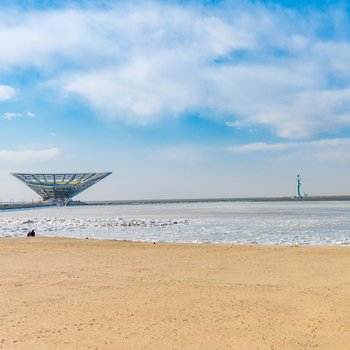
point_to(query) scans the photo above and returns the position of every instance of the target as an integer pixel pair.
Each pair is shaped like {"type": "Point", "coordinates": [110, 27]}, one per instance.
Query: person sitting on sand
{"type": "Point", "coordinates": [31, 233]}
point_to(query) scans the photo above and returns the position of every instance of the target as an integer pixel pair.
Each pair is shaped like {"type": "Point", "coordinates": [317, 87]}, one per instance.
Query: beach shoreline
{"type": "Point", "coordinates": [60, 293]}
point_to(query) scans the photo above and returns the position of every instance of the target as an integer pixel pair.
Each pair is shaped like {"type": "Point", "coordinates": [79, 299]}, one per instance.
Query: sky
{"type": "Point", "coordinates": [179, 99]}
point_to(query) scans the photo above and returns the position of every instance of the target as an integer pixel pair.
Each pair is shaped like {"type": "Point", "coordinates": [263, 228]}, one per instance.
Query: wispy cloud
{"type": "Point", "coordinates": [327, 149]}
{"type": "Point", "coordinates": [19, 156]}
{"type": "Point", "coordinates": [263, 147]}
{"type": "Point", "coordinates": [148, 61]}
{"type": "Point", "coordinates": [30, 115]}
{"type": "Point", "coordinates": [6, 92]}
{"type": "Point", "coordinates": [11, 115]}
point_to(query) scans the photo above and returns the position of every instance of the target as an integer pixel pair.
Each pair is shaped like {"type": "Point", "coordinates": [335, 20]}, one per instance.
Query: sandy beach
{"type": "Point", "coordinates": [89, 294]}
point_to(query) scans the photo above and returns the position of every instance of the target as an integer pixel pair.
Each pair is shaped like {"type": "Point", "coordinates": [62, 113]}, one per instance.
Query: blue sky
{"type": "Point", "coordinates": [180, 99]}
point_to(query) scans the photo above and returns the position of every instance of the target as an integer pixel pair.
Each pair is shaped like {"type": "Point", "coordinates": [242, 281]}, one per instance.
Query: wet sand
{"type": "Point", "coordinates": [90, 294]}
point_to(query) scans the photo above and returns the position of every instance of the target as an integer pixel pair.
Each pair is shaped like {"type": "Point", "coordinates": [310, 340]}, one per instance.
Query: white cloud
{"type": "Point", "coordinates": [6, 92]}
{"type": "Point", "coordinates": [144, 62]}
{"type": "Point", "coordinates": [29, 156]}
{"type": "Point", "coordinates": [235, 124]}
{"type": "Point", "coordinates": [11, 115]}
{"type": "Point", "coordinates": [262, 146]}
{"type": "Point", "coordinates": [327, 149]}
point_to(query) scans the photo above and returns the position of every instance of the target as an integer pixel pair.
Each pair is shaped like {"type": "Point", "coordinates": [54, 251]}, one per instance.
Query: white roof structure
{"type": "Point", "coordinates": [60, 188]}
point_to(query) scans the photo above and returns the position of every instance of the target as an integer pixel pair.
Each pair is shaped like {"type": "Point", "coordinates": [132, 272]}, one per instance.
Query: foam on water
{"type": "Point", "coordinates": [303, 223]}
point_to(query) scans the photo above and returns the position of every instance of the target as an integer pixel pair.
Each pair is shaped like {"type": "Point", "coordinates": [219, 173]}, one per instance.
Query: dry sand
{"type": "Point", "coordinates": [88, 294]}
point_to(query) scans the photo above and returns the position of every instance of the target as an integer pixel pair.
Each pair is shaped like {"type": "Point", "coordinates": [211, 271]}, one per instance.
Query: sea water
{"type": "Point", "coordinates": [290, 223]}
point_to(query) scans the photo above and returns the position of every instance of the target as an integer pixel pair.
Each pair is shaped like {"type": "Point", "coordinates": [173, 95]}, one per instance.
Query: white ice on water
{"type": "Point", "coordinates": [302, 223]}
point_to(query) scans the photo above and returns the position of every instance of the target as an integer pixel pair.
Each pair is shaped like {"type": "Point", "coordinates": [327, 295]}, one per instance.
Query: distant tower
{"type": "Point", "coordinates": [298, 194]}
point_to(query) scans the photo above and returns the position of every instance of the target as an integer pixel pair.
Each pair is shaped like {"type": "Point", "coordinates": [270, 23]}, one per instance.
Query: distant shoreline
{"type": "Point", "coordinates": [29, 205]}
{"type": "Point", "coordinates": [210, 200]}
